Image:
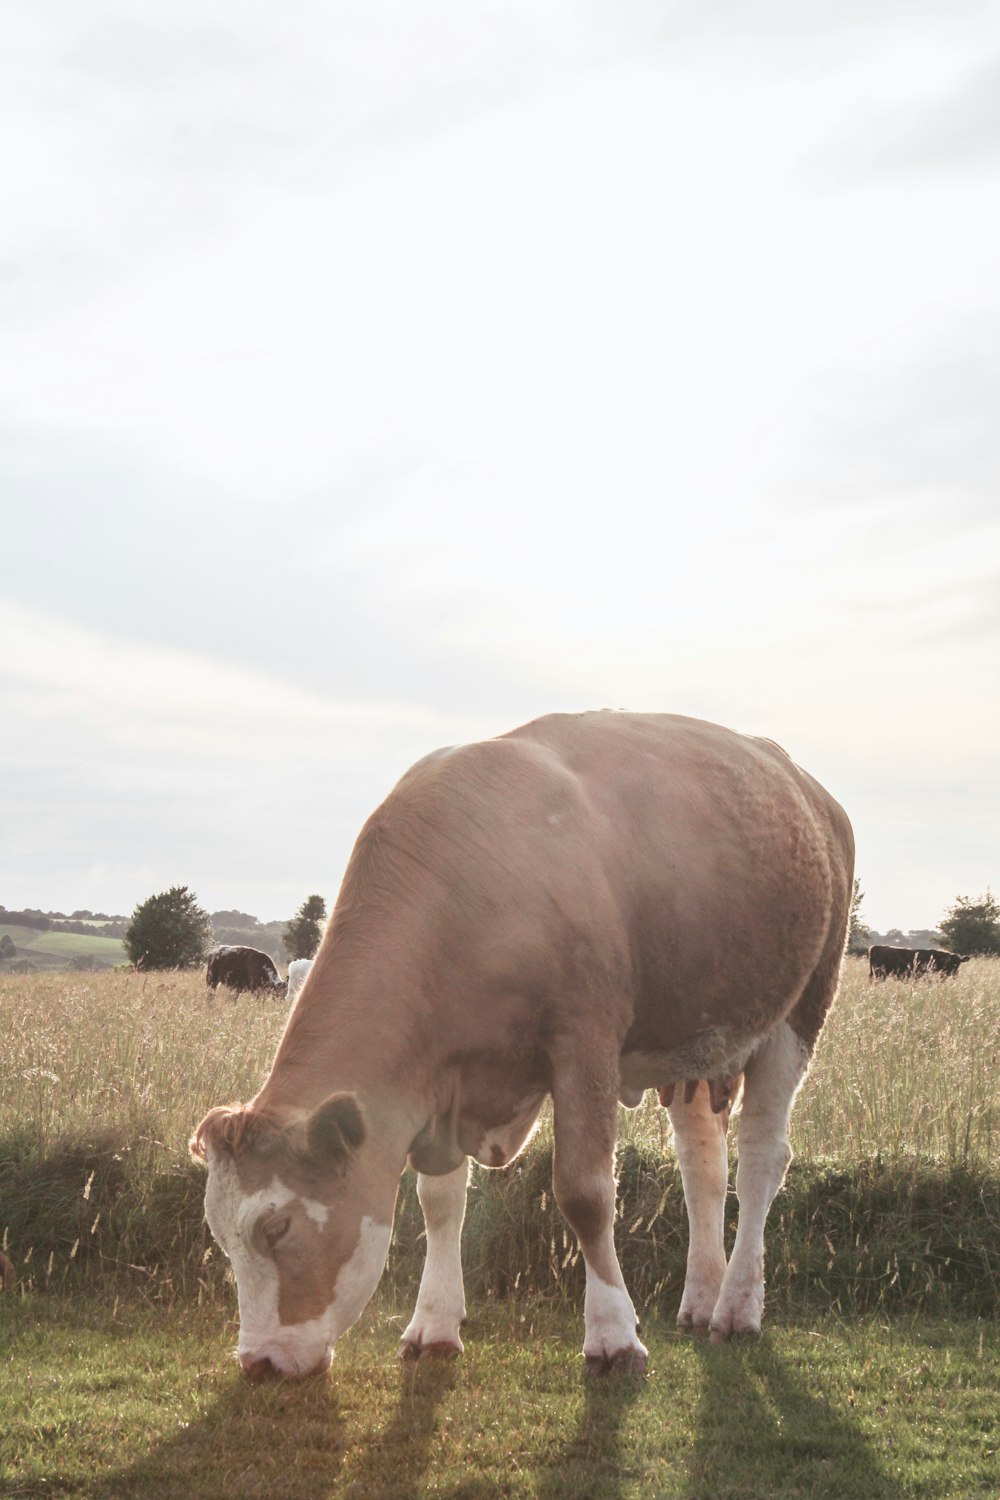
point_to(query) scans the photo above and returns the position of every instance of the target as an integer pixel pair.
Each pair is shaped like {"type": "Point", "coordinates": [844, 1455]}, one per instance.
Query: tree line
{"type": "Point", "coordinates": [171, 931]}
{"type": "Point", "coordinates": [99, 925]}
{"type": "Point", "coordinates": [970, 925]}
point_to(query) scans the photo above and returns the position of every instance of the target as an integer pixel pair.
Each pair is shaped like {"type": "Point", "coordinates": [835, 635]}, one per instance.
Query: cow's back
{"type": "Point", "coordinates": [731, 866]}
{"type": "Point", "coordinates": [666, 862]}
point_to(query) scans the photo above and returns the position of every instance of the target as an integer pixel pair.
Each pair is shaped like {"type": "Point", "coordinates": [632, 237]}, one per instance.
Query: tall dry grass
{"type": "Point", "coordinates": [139, 1054]}
{"type": "Point", "coordinates": [904, 1068]}
{"type": "Point", "coordinates": [896, 1130]}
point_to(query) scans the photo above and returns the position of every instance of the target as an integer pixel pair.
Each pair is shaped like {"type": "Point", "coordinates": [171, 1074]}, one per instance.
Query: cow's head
{"type": "Point", "coordinates": [304, 1219]}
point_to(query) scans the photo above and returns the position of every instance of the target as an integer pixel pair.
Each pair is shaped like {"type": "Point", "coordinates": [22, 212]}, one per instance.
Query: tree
{"type": "Point", "coordinates": [858, 933]}
{"type": "Point", "coordinates": [972, 925]}
{"type": "Point", "coordinates": [240, 920]}
{"type": "Point", "coordinates": [301, 936]}
{"type": "Point", "coordinates": [7, 946]}
{"type": "Point", "coordinates": [168, 931]}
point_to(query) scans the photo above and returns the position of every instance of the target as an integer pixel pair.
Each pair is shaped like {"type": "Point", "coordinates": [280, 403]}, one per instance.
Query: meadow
{"type": "Point", "coordinates": [878, 1373]}
{"type": "Point", "coordinates": [55, 950]}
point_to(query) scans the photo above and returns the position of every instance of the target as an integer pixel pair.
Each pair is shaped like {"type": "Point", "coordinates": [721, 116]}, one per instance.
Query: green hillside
{"type": "Point", "coordinates": [57, 950]}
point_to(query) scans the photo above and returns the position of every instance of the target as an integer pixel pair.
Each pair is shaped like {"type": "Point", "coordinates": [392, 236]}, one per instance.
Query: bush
{"type": "Point", "coordinates": [303, 933]}
{"type": "Point", "coordinates": [168, 931]}
{"type": "Point", "coordinates": [973, 925]}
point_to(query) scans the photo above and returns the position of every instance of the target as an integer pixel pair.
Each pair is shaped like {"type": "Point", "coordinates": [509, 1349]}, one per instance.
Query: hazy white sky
{"type": "Point", "coordinates": [377, 376]}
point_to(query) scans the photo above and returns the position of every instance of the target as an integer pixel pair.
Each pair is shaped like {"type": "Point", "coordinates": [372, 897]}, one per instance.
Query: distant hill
{"type": "Point", "coordinates": [916, 938]}
{"type": "Point", "coordinates": [92, 940]}
{"type": "Point", "coordinates": [241, 928]}
{"type": "Point", "coordinates": [36, 950]}
{"type": "Point", "coordinates": [83, 923]}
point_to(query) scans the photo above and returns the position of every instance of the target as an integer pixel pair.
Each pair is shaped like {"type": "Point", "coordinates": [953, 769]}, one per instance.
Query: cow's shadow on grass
{"type": "Point", "coordinates": [396, 1457]}
{"type": "Point", "coordinates": [757, 1418]}
{"type": "Point", "coordinates": [758, 1431]}
{"type": "Point", "coordinates": [238, 1446]}
{"type": "Point", "coordinates": [599, 1457]}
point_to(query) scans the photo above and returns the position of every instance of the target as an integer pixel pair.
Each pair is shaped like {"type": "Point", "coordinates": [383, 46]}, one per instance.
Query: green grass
{"type": "Point", "coordinates": [131, 1400]}
{"type": "Point", "coordinates": [56, 950]}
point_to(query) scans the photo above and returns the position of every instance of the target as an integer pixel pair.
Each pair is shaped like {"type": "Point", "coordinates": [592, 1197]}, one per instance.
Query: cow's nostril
{"type": "Point", "coordinates": [257, 1369]}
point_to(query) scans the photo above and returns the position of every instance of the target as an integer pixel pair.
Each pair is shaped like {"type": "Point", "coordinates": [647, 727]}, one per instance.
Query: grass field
{"type": "Point", "coordinates": [879, 1372]}
{"type": "Point", "coordinates": [130, 1401]}
{"type": "Point", "coordinates": [56, 950]}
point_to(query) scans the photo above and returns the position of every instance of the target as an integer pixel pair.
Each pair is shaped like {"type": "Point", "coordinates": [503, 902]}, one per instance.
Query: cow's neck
{"type": "Point", "coordinates": [339, 1038]}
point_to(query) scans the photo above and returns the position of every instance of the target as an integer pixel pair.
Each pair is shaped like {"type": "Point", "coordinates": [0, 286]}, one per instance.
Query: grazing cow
{"type": "Point", "coordinates": [912, 962]}
{"type": "Point", "coordinates": [297, 971]}
{"type": "Point", "coordinates": [587, 907]}
{"type": "Point", "coordinates": [243, 969]}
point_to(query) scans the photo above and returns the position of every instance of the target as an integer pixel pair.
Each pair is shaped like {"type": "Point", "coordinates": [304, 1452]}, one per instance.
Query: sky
{"type": "Point", "coordinates": [375, 377]}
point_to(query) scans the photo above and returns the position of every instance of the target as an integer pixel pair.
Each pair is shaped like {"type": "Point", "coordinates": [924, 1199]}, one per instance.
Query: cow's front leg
{"type": "Point", "coordinates": [584, 1129]}
{"type": "Point", "coordinates": [440, 1309]}
{"type": "Point", "coordinates": [700, 1144]}
{"type": "Point", "coordinates": [771, 1079]}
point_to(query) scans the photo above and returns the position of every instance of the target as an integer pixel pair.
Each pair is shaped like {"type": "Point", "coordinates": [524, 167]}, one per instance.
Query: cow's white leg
{"type": "Point", "coordinates": [584, 1130]}
{"type": "Point", "coordinates": [440, 1309]}
{"type": "Point", "coordinates": [700, 1144]}
{"type": "Point", "coordinates": [771, 1079]}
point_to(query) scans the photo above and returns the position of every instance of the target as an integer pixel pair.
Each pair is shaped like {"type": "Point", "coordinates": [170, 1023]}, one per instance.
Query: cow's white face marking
{"type": "Point", "coordinates": [358, 1277]}
{"type": "Point", "coordinates": [298, 1346]}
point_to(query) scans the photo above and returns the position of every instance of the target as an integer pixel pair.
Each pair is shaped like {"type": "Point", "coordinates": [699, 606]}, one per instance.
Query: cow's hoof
{"type": "Point", "coordinates": [624, 1362]}
{"type": "Point", "coordinates": [414, 1350]}
{"type": "Point", "coordinates": [688, 1323]}
{"type": "Point", "coordinates": [720, 1335]}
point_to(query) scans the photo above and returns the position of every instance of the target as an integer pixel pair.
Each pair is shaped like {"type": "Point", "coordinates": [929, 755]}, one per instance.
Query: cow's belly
{"type": "Point", "coordinates": [717, 1052]}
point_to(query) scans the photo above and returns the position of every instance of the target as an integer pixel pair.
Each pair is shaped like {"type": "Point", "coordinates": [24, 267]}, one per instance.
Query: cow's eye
{"type": "Point", "coordinates": [276, 1230]}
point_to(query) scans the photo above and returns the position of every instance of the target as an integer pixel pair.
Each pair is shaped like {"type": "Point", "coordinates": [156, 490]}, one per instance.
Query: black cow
{"type": "Point", "coordinates": [912, 962]}
{"type": "Point", "coordinates": [243, 969]}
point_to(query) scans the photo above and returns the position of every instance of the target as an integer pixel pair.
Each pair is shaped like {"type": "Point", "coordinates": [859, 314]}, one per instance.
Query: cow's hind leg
{"type": "Point", "coordinates": [700, 1144]}
{"type": "Point", "coordinates": [584, 1130]}
{"type": "Point", "coordinates": [771, 1079]}
{"type": "Point", "coordinates": [440, 1309]}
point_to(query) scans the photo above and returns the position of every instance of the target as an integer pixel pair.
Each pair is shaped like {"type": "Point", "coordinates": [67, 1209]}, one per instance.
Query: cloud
{"type": "Point", "coordinates": [943, 127]}
{"type": "Point", "coordinates": [387, 376]}
{"type": "Point", "coordinates": [130, 767]}
{"type": "Point", "coordinates": [136, 698]}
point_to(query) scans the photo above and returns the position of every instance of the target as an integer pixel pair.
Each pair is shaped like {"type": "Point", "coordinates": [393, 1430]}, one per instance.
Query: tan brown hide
{"type": "Point", "coordinates": [587, 907]}
{"type": "Point", "coordinates": [649, 884]}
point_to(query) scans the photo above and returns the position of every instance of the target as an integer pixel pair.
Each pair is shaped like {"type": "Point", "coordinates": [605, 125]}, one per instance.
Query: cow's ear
{"type": "Point", "coordinates": [218, 1129]}
{"type": "Point", "coordinates": [229, 1127]}
{"type": "Point", "coordinates": [335, 1129]}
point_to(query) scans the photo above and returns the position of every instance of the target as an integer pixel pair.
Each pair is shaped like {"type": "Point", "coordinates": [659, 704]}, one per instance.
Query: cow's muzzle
{"type": "Point", "coordinates": [263, 1368]}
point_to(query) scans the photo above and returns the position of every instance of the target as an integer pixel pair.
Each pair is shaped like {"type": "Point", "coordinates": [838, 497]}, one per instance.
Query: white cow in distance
{"type": "Point", "coordinates": [297, 971]}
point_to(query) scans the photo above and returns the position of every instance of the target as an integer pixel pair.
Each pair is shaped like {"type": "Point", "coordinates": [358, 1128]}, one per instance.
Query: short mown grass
{"type": "Point", "coordinates": [112, 1402]}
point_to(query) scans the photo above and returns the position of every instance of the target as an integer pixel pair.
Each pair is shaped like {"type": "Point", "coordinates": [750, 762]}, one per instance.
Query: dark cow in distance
{"type": "Point", "coordinates": [912, 962]}
{"type": "Point", "coordinates": [243, 969]}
